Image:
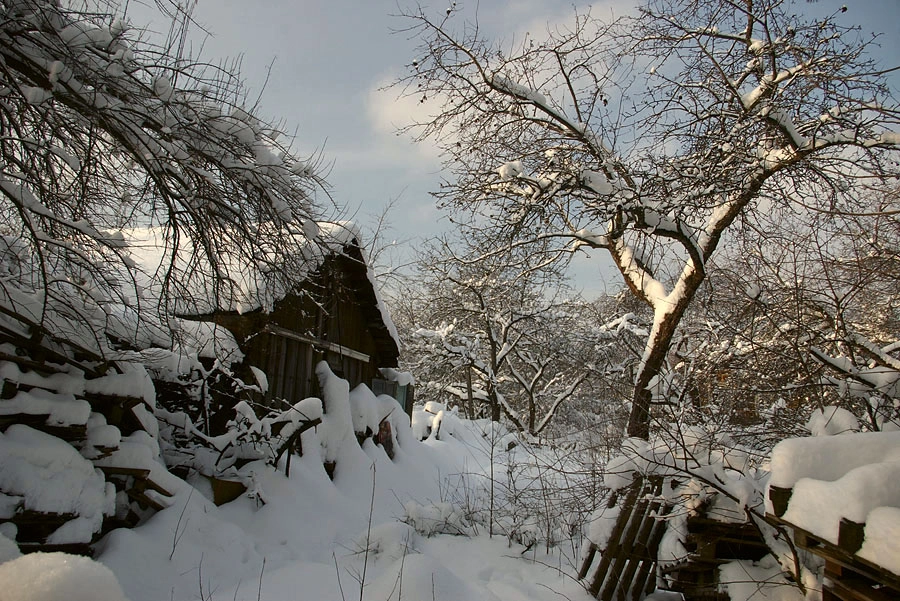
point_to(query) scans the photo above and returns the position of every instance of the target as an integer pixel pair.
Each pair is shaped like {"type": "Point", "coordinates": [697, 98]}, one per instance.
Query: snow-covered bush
{"type": "Point", "coordinates": [436, 518]}
{"type": "Point", "coordinates": [322, 426]}
{"type": "Point", "coordinates": [530, 493]}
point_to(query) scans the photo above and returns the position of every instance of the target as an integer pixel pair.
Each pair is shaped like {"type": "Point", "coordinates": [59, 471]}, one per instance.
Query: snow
{"type": "Point", "coordinates": [831, 420]}
{"type": "Point", "coordinates": [818, 505]}
{"type": "Point", "coordinates": [55, 576]}
{"type": "Point", "coordinates": [402, 378]}
{"type": "Point", "coordinates": [253, 286]}
{"type": "Point", "coordinates": [852, 476]}
{"type": "Point", "coordinates": [337, 422]}
{"type": "Point", "coordinates": [262, 382]}
{"type": "Point", "coordinates": [881, 545]}
{"type": "Point", "coordinates": [51, 476]}
{"type": "Point", "coordinates": [60, 409]}
{"type": "Point", "coordinates": [601, 525]}
{"type": "Point", "coordinates": [100, 434]}
{"type": "Point", "coordinates": [8, 548]}
{"type": "Point", "coordinates": [510, 170]}
{"type": "Point", "coordinates": [597, 182]}
{"type": "Point", "coordinates": [830, 457]}
{"type": "Point", "coordinates": [364, 409]}
{"type": "Point", "coordinates": [308, 537]}
{"type": "Point", "coordinates": [757, 581]}
{"type": "Point", "coordinates": [619, 472]}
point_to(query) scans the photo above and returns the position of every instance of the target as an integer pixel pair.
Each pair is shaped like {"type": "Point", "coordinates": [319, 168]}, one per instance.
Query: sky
{"type": "Point", "coordinates": [323, 65]}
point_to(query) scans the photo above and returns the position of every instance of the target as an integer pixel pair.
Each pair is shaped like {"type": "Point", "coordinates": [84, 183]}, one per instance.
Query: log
{"type": "Point", "coordinates": [851, 535]}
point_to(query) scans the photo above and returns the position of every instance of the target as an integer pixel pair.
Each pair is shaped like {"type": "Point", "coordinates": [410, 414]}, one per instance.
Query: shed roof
{"type": "Point", "coordinates": [196, 287]}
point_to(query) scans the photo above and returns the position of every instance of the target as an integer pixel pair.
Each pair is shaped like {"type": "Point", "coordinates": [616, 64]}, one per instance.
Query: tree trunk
{"type": "Point", "coordinates": [664, 328]}
{"type": "Point", "coordinates": [470, 406]}
{"type": "Point", "coordinates": [532, 409]}
{"type": "Point", "coordinates": [495, 408]}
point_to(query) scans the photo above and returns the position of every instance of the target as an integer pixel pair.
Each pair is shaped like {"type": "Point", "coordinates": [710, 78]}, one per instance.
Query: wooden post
{"type": "Point", "coordinates": [470, 405]}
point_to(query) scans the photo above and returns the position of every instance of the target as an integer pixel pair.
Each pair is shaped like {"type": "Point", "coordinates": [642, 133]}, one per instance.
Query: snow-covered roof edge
{"type": "Point", "coordinates": [347, 232]}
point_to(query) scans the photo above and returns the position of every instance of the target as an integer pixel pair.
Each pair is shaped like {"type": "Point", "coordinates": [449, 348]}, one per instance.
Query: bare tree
{"type": "Point", "coordinates": [102, 130]}
{"type": "Point", "coordinates": [476, 313]}
{"type": "Point", "coordinates": [651, 136]}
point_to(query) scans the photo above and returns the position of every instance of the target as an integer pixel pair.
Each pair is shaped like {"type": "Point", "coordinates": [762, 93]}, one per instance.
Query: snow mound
{"type": "Point", "coordinates": [757, 581]}
{"type": "Point", "coordinates": [55, 576]}
{"type": "Point", "coordinates": [832, 420]}
{"type": "Point", "coordinates": [391, 540]}
{"type": "Point", "coordinates": [830, 457]}
{"type": "Point", "coordinates": [426, 578]}
{"type": "Point", "coordinates": [50, 476]}
{"type": "Point", "coordinates": [882, 543]}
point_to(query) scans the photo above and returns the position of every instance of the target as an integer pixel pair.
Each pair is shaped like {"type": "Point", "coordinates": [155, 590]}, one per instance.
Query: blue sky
{"type": "Point", "coordinates": [329, 58]}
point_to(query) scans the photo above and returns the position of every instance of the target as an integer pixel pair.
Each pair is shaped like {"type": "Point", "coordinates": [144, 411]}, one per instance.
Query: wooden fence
{"type": "Point", "coordinates": [626, 568]}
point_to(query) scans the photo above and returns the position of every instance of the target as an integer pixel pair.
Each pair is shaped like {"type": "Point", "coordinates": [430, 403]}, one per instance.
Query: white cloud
{"type": "Point", "coordinates": [389, 111]}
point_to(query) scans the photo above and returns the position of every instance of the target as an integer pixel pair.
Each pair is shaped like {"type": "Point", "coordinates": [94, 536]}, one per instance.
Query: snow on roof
{"type": "Point", "coordinates": [196, 286]}
{"type": "Point", "coordinates": [242, 286]}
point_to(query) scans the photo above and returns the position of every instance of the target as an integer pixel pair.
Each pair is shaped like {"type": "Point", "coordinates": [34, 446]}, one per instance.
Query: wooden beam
{"type": "Point", "coordinates": [323, 344]}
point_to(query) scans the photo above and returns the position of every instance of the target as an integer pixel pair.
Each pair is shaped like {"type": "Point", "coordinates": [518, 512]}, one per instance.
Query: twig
{"type": "Point", "coordinates": [362, 580]}
{"type": "Point", "coordinates": [176, 538]}
{"type": "Point", "coordinates": [261, 570]}
{"type": "Point", "coordinates": [337, 571]}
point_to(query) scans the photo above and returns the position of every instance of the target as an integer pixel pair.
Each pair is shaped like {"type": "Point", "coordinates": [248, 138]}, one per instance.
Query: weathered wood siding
{"type": "Point", "coordinates": [334, 318]}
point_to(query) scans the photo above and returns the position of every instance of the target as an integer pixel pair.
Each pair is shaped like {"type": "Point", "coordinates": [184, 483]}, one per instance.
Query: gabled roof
{"type": "Point", "coordinates": [244, 287]}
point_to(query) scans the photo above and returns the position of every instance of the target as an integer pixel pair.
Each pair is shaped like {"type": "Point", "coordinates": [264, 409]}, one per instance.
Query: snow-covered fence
{"type": "Point", "coordinates": [323, 426]}
{"type": "Point", "coordinates": [626, 568]}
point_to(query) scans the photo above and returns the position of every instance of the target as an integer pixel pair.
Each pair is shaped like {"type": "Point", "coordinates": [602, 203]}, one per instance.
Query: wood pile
{"type": "Point", "coordinates": [710, 544]}
{"type": "Point", "coordinates": [47, 392]}
{"type": "Point", "coordinates": [848, 577]}
{"type": "Point", "coordinates": [625, 570]}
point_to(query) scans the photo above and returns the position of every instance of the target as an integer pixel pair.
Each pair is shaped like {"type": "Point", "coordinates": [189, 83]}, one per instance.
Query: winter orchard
{"type": "Point", "coordinates": [183, 316]}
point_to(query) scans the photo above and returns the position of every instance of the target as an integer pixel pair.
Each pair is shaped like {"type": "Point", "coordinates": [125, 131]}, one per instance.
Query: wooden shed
{"type": "Point", "coordinates": [336, 316]}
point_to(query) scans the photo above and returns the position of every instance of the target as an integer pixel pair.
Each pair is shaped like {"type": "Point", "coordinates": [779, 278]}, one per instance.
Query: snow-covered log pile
{"type": "Point", "coordinates": [713, 491]}
{"type": "Point", "coordinates": [710, 490]}
{"type": "Point", "coordinates": [78, 451]}
{"type": "Point", "coordinates": [737, 518]}
{"type": "Point", "coordinates": [841, 496]}
{"type": "Point", "coordinates": [81, 453]}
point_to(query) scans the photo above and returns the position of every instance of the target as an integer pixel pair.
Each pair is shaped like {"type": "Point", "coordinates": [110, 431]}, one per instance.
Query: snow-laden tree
{"type": "Point", "coordinates": [509, 339]}
{"type": "Point", "coordinates": [472, 318]}
{"type": "Point", "coordinates": [818, 323]}
{"type": "Point", "coordinates": [650, 136]}
{"type": "Point", "coordinates": [102, 130]}
{"type": "Point", "coordinates": [501, 343]}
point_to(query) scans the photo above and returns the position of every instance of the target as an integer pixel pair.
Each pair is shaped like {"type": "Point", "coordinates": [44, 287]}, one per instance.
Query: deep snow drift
{"type": "Point", "coordinates": [401, 528]}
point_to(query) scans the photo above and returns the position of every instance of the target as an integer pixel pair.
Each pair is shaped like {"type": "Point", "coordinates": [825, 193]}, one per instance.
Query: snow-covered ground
{"type": "Point", "coordinates": [383, 529]}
